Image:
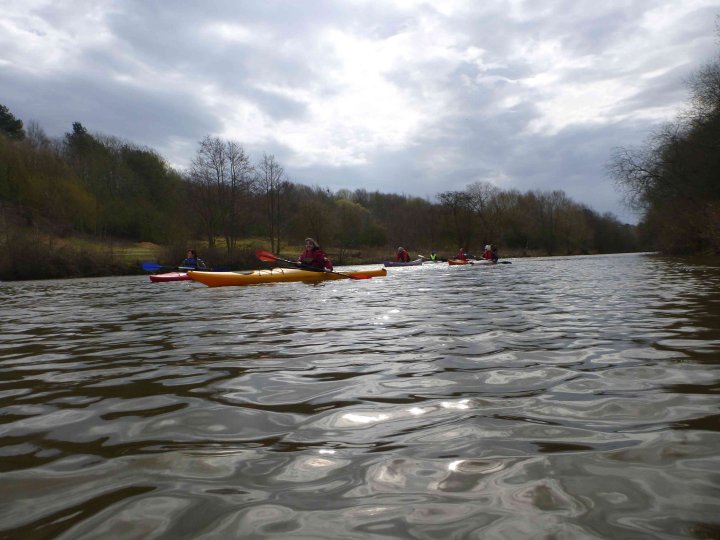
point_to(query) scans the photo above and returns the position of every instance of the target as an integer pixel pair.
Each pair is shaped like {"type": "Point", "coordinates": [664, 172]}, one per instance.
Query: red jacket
{"type": "Point", "coordinates": [461, 255]}
{"type": "Point", "coordinates": [403, 256]}
{"type": "Point", "coordinates": [315, 258]}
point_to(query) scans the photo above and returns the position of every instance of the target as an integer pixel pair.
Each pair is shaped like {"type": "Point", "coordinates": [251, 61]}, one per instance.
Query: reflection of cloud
{"type": "Point", "coordinates": [369, 418]}
{"type": "Point", "coordinates": [310, 468]}
{"type": "Point", "coordinates": [461, 405]}
{"type": "Point", "coordinates": [353, 418]}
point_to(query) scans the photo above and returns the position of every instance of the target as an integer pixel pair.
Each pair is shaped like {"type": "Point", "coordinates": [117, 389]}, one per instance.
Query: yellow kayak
{"type": "Point", "coordinates": [254, 277]}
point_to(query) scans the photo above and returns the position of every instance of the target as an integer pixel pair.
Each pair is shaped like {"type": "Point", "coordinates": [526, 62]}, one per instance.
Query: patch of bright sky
{"type": "Point", "coordinates": [40, 37]}
{"type": "Point", "coordinates": [590, 103]}
{"type": "Point", "coordinates": [229, 32]}
{"type": "Point", "coordinates": [29, 43]}
{"type": "Point", "coordinates": [354, 107]}
{"type": "Point", "coordinates": [562, 102]}
{"type": "Point", "coordinates": [664, 18]}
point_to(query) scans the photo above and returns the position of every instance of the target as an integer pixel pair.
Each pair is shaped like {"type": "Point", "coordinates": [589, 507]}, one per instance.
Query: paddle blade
{"type": "Point", "coordinates": [265, 256]}
{"type": "Point", "coordinates": [359, 276]}
{"type": "Point", "coordinates": [151, 267]}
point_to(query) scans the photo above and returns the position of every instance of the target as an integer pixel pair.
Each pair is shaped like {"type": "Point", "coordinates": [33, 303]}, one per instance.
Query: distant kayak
{"type": "Point", "coordinates": [471, 261]}
{"type": "Point", "coordinates": [169, 276]}
{"type": "Point", "coordinates": [416, 262]}
{"type": "Point", "coordinates": [255, 277]}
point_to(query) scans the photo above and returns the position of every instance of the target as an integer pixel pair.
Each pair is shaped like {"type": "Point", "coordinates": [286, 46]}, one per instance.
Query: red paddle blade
{"type": "Point", "coordinates": [265, 256]}
{"type": "Point", "coordinates": [360, 276]}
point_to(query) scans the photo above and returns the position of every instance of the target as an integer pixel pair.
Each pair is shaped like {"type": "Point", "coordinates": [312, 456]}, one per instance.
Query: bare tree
{"type": "Point", "coordinates": [37, 136]}
{"type": "Point", "coordinates": [238, 193]}
{"type": "Point", "coordinates": [208, 172]}
{"type": "Point", "coordinates": [224, 176]}
{"type": "Point", "coordinates": [459, 206]}
{"type": "Point", "coordinates": [271, 181]}
{"type": "Point", "coordinates": [481, 196]}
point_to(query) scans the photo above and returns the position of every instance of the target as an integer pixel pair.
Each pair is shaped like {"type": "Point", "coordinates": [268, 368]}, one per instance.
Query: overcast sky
{"type": "Point", "coordinates": [400, 96]}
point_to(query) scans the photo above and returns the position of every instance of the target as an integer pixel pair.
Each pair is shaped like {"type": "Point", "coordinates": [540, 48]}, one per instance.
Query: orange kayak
{"type": "Point", "coordinates": [255, 277]}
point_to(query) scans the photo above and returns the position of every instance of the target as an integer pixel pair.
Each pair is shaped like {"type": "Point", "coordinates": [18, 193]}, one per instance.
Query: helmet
{"type": "Point", "coordinates": [488, 246]}
{"type": "Point", "coordinates": [401, 249]}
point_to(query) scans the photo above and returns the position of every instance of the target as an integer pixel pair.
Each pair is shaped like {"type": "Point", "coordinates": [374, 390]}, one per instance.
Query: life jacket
{"type": "Point", "coordinates": [461, 255]}
{"type": "Point", "coordinates": [403, 256]}
{"type": "Point", "coordinates": [193, 263]}
{"type": "Point", "coordinates": [315, 258]}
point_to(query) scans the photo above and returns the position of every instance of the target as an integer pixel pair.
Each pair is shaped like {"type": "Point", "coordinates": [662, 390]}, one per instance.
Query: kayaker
{"type": "Point", "coordinates": [433, 256]}
{"type": "Point", "coordinates": [192, 260]}
{"type": "Point", "coordinates": [490, 253]}
{"type": "Point", "coordinates": [402, 255]}
{"type": "Point", "coordinates": [462, 255]}
{"type": "Point", "coordinates": [314, 257]}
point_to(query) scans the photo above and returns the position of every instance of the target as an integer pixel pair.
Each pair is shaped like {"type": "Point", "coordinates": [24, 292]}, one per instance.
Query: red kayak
{"type": "Point", "coordinates": [169, 276]}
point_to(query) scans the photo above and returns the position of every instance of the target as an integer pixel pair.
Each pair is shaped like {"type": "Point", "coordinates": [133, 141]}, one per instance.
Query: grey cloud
{"type": "Point", "coordinates": [143, 85]}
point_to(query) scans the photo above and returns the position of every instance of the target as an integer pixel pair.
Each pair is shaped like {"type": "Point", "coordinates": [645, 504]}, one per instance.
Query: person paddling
{"type": "Point", "coordinates": [314, 257]}
{"type": "Point", "coordinates": [462, 255]}
{"type": "Point", "coordinates": [192, 261]}
{"type": "Point", "coordinates": [490, 253]}
{"type": "Point", "coordinates": [402, 255]}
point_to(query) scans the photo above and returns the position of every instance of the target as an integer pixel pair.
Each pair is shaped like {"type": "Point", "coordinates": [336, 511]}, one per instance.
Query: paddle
{"type": "Point", "coordinates": [269, 257]}
{"type": "Point", "coordinates": [154, 267]}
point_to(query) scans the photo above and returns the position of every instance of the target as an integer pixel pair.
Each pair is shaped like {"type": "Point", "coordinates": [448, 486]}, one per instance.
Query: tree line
{"type": "Point", "coordinates": [674, 177]}
{"type": "Point", "coordinates": [92, 184]}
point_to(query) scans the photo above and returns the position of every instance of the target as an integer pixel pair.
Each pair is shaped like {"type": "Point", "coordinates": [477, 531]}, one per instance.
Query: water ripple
{"type": "Point", "coordinates": [556, 397]}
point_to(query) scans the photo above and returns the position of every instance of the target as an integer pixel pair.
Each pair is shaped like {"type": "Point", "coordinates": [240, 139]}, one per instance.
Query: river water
{"type": "Point", "coordinates": [547, 398]}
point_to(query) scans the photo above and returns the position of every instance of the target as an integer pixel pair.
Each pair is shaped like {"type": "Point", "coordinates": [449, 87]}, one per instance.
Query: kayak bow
{"type": "Point", "coordinates": [169, 276]}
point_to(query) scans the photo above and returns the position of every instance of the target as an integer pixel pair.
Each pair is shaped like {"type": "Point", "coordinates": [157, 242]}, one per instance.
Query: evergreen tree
{"type": "Point", "coordinates": [9, 125]}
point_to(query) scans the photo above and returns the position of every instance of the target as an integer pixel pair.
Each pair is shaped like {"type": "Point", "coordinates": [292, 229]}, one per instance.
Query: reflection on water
{"type": "Point", "coordinates": [558, 397]}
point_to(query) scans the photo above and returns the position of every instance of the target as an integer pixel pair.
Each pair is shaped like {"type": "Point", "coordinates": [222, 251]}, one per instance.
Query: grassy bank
{"type": "Point", "coordinates": [32, 254]}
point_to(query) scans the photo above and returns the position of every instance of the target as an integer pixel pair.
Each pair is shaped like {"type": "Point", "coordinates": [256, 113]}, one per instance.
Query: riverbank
{"type": "Point", "coordinates": [34, 255]}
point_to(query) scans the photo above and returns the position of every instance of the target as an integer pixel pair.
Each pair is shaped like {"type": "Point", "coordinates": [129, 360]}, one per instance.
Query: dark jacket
{"type": "Point", "coordinates": [195, 262]}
